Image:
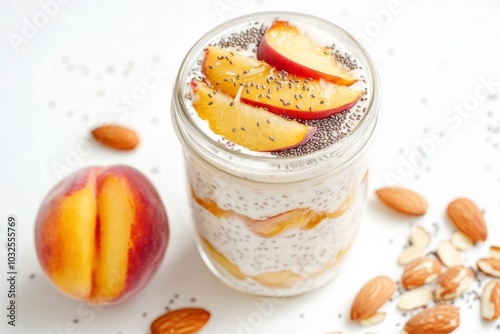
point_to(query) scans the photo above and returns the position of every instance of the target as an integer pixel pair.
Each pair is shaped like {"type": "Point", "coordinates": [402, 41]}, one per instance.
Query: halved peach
{"type": "Point", "coordinates": [101, 234]}
{"type": "Point", "coordinates": [287, 48]}
{"type": "Point", "coordinates": [248, 126]}
{"type": "Point", "coordinates": [259, 84]}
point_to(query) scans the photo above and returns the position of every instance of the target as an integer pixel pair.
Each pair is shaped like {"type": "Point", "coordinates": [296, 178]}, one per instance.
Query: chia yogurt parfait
{"type": "Point", "coordinates": [276, 112]}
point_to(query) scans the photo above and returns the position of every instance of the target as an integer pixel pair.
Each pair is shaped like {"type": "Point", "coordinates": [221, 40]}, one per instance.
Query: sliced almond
{"type": "Point", "coordinates": [461, 241]}
{"type": "Point", "coordinates": [468, 219]}
{"type": "Point", "coordinates": [410, 254]}
{"type": "Point", "coordinates": [371, 297]}
{"type": "Point", "coordinates": [489, 266]}
{"type": "Point", "coordinates": [495, 252]}
{"type": "Point", "coordinates": [442, 319]}
{"type": "Point", "coordinates": [403, 200]}
{"type": "Point", "coordinates": [373, 320]}
{"type": "Point", "coordinates": [490, 301]}
{"type": "Point", "coordinates": [453, 283]}
{"type": "Point", "coordinates": [117, 137]}
{"type": "Point", "coordinates": [181, 321]}
{"type": "Point", "coordinates": [420, 237]}
{"type": "Point", "coordinates": [415, 298]}
{"type": "Point", "coordinates": [420, 272]}
{"type": "Point", "coordinates": [448, 254]}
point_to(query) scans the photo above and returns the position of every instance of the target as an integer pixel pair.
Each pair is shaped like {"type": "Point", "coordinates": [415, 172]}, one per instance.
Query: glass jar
{"type": "Point", "coordinates": [267, 224]}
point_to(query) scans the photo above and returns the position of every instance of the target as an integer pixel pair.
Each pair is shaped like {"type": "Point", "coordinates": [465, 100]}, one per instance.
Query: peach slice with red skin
{"type": "Point", "coordinates": [287, 48]}
{"type": "Point", "coordinates": [101, 234]}
{"type": "Point", "coordinates": [257, 83]}
{"type": "Point", "coordinates": [248, 126]}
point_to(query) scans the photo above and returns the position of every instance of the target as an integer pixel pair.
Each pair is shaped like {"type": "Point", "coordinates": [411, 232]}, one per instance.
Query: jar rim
{"type": "Point", "coordinates": [266, 164]}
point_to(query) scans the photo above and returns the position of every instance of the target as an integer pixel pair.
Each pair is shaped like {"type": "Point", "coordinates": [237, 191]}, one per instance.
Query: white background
{"type": "Point", "coordinates": [63, 80]}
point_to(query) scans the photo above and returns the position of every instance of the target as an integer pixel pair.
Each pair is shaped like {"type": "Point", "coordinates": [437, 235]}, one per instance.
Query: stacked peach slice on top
{"type": "Point", "coordinates": [294, 78]}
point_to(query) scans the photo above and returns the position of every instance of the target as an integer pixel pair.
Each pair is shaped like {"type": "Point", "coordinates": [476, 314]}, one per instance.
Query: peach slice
{"type": "Point", "coordinates": [288, 49]}
{"type": "Point", "coordinates": [282, 279]}
{"type": "Point", "coordinates": [222, 260]}
{"type": "Point", "coordinates": [300, 218]}
{"type": "Point", "coordinates": [257, 83]}
{"type": "Point", "coordinates": [248, 126]}
{"type": "Point", "coordinates": [101, 234]}
{"type": "Point", "coordinates": [297, 218]}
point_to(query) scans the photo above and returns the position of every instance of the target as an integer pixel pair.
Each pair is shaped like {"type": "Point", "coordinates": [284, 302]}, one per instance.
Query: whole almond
{"type": "Point", "coordinates": [442, 319]}
{"type": "Point", "coordinates": [489, 266]}
{"type": "Point", "coordinates": [117, 137]}
{"type": "Point", "coordinates": [453, 283]}
{"type": "Point", "coordinates": [490, 301]}
{"type": "Point", "coordinates": [420, 272]}
{"type": "Point", "coordinates": [181, 321]}
{"type": "Point", "coordinates": [371, 297]}
{"type": "Point", "coordinates": [468, 219]}
{"type": "Point", "coordinates": [403, 200]}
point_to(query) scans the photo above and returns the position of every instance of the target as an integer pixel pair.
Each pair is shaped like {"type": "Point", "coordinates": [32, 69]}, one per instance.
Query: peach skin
{"type": "Point", "coordinates": [101, 233]}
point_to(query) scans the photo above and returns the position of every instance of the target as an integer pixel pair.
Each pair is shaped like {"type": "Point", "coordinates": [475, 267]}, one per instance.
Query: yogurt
{"type": "Point", "coordinates": [278, 223]}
